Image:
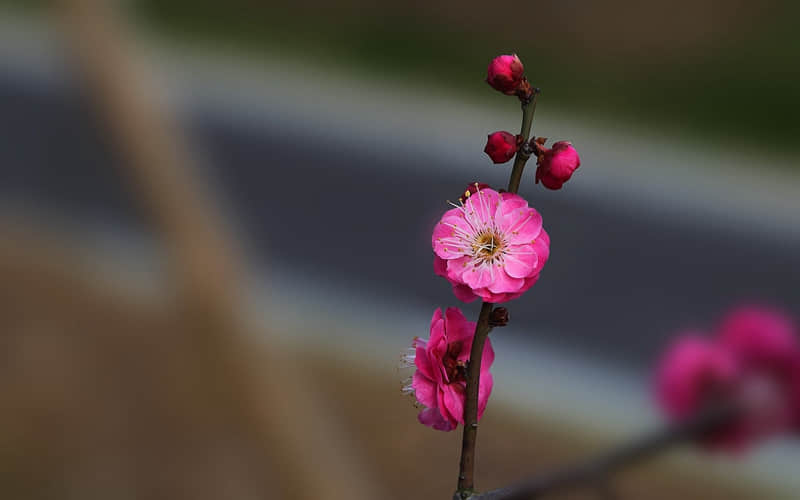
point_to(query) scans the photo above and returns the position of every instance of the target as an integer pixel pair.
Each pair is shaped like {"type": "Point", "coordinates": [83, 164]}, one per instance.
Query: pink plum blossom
{"type": "Point", "coordinates": [557, 164]}
{"type": "Point", "coordinates": [505, 73]}
{"type": "Point", "coordinates": [492, 246]}
{"type": "Point", "coordinates": [501, 146]}
{"type": "Point", "coordinates": [439, 382]}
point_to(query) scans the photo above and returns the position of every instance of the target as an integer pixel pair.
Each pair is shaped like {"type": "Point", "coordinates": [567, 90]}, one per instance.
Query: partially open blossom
{"type": "Point", "coordinates": [557, 164]}
{"type": "Point", "coordinates": [505, 73]}
{"type": "Point", "coordinates": [501, 146]}
{"type": "Point", "coordinates": [439, 382]}
{"type": "Point", "coordinates": [492, 246]}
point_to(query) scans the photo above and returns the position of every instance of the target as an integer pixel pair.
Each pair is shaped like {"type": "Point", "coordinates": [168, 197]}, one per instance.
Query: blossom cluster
{"type": "Point", "coordinates": [490, 245]}
{"type": "Point", "coordinates": [752, 361]}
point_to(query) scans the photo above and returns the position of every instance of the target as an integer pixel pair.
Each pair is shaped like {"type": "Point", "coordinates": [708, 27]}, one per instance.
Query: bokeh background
{"type": "Point", "coordinates": [216, 246]}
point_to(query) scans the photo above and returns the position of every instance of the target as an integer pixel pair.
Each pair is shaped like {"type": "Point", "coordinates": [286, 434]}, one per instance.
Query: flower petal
{"type": "Point", "coordinates": [483, 204]}
{"type": "Point", "coordinates": [439, 266]}
{"type": "Point", "coordinates": [511, 202]}
{"type": "Point", "coordinates": [520, 262]}
{"type": "Point", "coordinates": [484, 391]}
{"type": "Point", "coordinates": [450, 236]}
{"type": "Point", "coordinates": [424, 389]}
{"type": "Point", "coordinates": [452, 401]}
{"type": "Point", "coordinates": [422, 361]}
{"type": "Point", "coordinates": [488, 357]}
{"type": "Point", "coordinates": [526, 226]}
{"type": "Point", "coordinates": [433, 418]}
{"type": "Point", "coordinates": [542, 248]}
{"type": "Point", "coordinates": [457, 327]}
{"type": "Point", "coordinates": [437, 345]}
{"type": "Point", "coordinates": [464, 293]}
{"type": "Point", "coordinates": [478, 276]}
{"type": "Point", "coordinates": [504, 283]}
{"type": "Point", "coordinates": [456, 269]}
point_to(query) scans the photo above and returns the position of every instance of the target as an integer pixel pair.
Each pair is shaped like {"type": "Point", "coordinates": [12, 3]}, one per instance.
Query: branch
{"type": "Point", "coordinates": [528, 109]}
{"type": "Point", "coordinates": [466, 473]}
{"type": "Point", "coordinates": [603, 465]}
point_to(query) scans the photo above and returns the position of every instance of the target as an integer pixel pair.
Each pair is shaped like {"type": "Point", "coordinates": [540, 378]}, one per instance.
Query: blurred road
{"type": "Point", "coordinates": [618, 284]}
{"type": "Point", "coordinates": [331, 199]}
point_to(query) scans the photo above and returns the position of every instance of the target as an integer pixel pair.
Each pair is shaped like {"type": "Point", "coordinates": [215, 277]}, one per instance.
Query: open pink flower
{"type": "Point", "coordinates": [439, 382]}
{"type": "Point", "coordinates": [493, 246]}
{"type": "Point", "coordinates": [557, 164]}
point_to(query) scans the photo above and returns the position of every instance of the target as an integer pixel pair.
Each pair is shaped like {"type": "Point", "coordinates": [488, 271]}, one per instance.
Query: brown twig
{"type": "Point", "coordinates": [466, 473]}
{"type": "Point", "coordinates": [600, 467]}
{"type": "Point", "coordinates": [528, 109]}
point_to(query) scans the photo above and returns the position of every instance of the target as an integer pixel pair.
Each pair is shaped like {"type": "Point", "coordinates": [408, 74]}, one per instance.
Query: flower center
{"type": "Point", "coordinates": [454, 369]}
{"type": "Point", "coordinates": [488, 246]}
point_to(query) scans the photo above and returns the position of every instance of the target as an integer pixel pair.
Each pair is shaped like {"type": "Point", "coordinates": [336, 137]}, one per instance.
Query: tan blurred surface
{"type": "Point", "coordinates": [108, 396]}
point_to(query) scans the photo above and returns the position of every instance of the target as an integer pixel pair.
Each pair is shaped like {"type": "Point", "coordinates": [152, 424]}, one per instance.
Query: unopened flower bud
{"type": "Point", "coordinates": [501, 146]}
{"type": "Point", "coordinates": [557, 164]}
{"type": "Point", "coordinates": [505, 74]}
{"type": "Point", "coordinates": [499, 317]}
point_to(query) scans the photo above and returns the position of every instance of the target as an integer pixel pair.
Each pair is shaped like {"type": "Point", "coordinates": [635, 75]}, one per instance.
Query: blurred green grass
{"type": "Point", "coordinates": [738, 82]}
{"type": "Point", "coordinates": [726, 71]}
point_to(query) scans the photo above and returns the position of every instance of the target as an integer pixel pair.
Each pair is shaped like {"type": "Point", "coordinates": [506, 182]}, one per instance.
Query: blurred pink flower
{"type": "Point", "coordinates": [505, 73]}
{"type": "Point", "coordinates": [693, 374]}
{"type": "Point", "coordinates": [760, 336]}
{"type": "Point", "coordinates": [754, 363]}
{"type": "Point", "coordinates": [692, 371]}
{"type": "Point", "coordinates": [501, 146]}
{"type": "Point", "coordinates": [557, 164]}
{"type": "Point", "coordinates": [439, 382]}
{"type": "Point", "coordinates": [492, 246]}
{"type": "Point", "coordinates": [764, 340]}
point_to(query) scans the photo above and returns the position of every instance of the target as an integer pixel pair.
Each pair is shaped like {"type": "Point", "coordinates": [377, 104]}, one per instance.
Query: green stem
{"type": "Point", "coordinates": [528, 109]}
